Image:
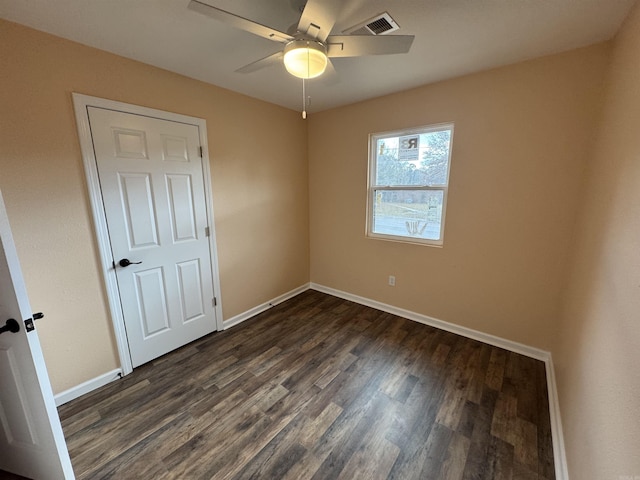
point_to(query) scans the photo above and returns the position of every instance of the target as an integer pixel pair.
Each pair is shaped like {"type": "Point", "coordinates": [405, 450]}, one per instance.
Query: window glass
{"type": "Point", "coordinates": [408, 184]}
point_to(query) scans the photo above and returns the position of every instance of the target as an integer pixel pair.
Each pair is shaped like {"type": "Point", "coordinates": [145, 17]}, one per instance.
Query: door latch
{"type": "Point", "coordinates": [28, 323]}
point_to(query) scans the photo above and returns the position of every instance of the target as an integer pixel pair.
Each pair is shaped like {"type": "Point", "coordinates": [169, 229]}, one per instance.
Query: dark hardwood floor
{"type": "Point", "coordinates": [319, 388]}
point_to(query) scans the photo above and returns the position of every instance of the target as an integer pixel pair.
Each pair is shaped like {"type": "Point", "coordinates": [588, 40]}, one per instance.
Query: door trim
{"type": "Point", "coordinates": [81, 103]}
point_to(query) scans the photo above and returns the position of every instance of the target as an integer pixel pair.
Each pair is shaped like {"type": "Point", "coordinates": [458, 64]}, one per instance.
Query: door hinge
{"type": "Point", "coordinates": [200, 149]}
{"type": "Point", "coordinates": [207, 232]}
{"type": "Point", "coordinates": [215, 301]}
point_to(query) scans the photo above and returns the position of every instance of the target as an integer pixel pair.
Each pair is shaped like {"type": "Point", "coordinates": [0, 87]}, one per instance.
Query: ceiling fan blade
{"type": "Point", "coordinates": [361, 45]}
{"type": "Point", "coordinates": [239, 22]}
{"type": "Point", "coordinates": [318, 18]}
{"type": "Point", "coordinates": [271, 60]}
{"type": "Point", "coordinates": [330, 76]}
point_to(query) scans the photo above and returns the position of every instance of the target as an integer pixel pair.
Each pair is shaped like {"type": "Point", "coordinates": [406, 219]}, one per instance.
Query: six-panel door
{"type": "Point", "coordinates": [151, 179]}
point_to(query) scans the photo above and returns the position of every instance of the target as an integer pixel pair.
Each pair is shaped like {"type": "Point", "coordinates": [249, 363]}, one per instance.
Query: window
{"type": "Point", "coordinates": [408, 179]}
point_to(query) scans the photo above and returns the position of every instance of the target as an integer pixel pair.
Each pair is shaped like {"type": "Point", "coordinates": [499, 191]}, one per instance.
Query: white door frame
{"type": "Point", "coordinates": [81, 103]}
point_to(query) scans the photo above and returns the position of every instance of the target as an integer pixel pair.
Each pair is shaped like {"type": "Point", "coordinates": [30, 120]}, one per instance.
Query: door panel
{"type": "Point", "coordinates": [17, 422]}
{"type": "Point", "coordinates": [182, 208]}
{"type": "Point", "coordinates": [152, 185]}
{"type": "Point", "coordinates": [152, 300]}
{"type": "Point", "coordinates": [130, 143]}
{"type": "Point", "coordinates": [175, 148]}
{"type": "Point", "coordinates": [138, 210]}
{"type": "Point", "coordinates": [190, 290]}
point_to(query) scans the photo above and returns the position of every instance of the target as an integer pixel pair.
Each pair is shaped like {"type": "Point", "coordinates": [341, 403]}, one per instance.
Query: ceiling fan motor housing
{"type": "Point", "coordinates": [305, 58]}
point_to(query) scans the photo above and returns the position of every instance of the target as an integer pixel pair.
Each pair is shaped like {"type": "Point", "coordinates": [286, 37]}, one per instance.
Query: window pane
{"type": "Point", "coordinates": [413, 159]}
{"type": "Point", "coordinates": [408, 213]}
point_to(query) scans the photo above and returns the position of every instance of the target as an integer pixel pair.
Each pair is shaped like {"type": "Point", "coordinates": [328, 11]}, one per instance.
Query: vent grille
{"type": "Point", "coordinates": [378, 25]}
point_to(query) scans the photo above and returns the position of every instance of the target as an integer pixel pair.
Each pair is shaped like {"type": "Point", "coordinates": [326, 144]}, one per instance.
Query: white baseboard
{"type": "Point", "coordinates": [88, 386]}
{"type": "Point", "coordinates": [262, 307]}
{"type": "Point", "coordinates": [440, 324]}
{"type": "Point", "coordinates": [559, 454]}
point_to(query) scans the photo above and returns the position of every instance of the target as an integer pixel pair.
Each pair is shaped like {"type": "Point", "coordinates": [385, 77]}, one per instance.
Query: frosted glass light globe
{"type": "Point", "coordinates": [305, 58]}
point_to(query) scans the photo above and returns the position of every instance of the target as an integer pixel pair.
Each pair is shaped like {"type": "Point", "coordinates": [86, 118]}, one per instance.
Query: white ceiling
{"type": "Point", "coordinates": [452, 38]}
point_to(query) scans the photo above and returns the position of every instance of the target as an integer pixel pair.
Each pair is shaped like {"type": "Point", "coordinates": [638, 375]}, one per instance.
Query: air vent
{"type": "Point", "coordinates": [378, 25]}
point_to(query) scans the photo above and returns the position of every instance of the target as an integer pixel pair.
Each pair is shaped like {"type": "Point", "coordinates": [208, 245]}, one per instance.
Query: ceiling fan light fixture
{"type": "Point", "coordinates": [305, 58]}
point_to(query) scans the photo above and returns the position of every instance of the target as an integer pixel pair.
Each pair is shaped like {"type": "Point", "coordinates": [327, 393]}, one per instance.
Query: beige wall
{"type": "Point", "coordinates": [522, 134]}
{"type": "Point", "coordinates": [598, 355]}
{"type": "Point", "coordinates": [258, 185]}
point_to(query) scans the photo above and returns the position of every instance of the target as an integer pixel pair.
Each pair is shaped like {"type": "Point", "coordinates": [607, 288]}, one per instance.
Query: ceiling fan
{"type": "Point", "coordinates": [306, 51]}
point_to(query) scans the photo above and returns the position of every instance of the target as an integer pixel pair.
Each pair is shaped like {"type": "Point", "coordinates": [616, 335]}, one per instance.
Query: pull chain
{"type": "Point", "coordinates": [304, 101]}
{"type": "Point", "coordinates": [304, 93]}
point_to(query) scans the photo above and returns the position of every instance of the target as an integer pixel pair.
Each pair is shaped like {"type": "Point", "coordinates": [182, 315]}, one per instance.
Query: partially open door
{"type": "Point", "coordinates": [31, 439]}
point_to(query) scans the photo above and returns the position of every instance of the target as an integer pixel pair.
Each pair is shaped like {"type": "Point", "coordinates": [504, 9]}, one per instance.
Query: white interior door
{"type": "Point", "coordinates": [151, 179]}
{"type": "Point", "coordinates": [31, 442]}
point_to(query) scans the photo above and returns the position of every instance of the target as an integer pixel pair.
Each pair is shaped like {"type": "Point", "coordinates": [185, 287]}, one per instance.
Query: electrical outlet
{"type": "Point", "coordinates": [392, 281]}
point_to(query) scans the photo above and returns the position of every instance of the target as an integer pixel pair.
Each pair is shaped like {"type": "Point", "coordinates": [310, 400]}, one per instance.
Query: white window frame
{"type": "Point", "coordinates": [373, 188]}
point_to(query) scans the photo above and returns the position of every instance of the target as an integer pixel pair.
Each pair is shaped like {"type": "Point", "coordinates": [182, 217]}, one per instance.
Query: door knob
{"type": "Point", "coordinates": [125, 262]}
{"type": "Point", "coordinates": [10, 326]}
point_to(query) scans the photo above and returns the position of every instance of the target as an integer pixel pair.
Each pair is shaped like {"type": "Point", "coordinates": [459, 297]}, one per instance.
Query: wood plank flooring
{"type": "Point", "coordinates": [319, 388]}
